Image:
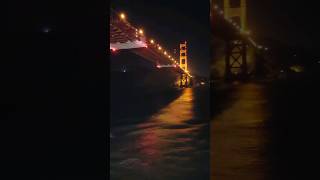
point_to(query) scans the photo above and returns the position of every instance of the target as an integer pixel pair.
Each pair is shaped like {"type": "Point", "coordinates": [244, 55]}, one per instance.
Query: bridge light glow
{"type": "Point", "coordinates": [122, 16]}
{"type": "Point", "coordinates": [248, 32]}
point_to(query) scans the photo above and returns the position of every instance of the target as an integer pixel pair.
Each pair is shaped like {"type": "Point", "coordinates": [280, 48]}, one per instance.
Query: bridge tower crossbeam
{"type": "Point", "coordinates": [236, 59]}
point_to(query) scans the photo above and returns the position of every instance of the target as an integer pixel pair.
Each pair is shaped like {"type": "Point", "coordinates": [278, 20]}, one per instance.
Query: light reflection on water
{"type": "Point", "coordinates": [238, 136]}
{"type": "Point", "coordinates": [165, 146]}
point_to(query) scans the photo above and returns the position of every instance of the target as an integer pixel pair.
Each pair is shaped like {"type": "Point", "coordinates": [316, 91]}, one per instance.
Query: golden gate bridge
{"type": "Point", "coordinates": [123, 35]}
{"type": "Point", "coordinates": [229, 22]}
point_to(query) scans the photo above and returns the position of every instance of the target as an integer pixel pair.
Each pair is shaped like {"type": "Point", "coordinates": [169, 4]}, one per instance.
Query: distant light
{"type": "Point", "coordinates": [46, 30]}
{"type": "Point", "coordinates": [152, 41]}
{"type": "Point", "coordinates": [221, 12]}
{"type": "Point", "coordinates": [122, 16]}
{"type": "Point", "coordinates": [140, 31]}
{"type": "Point", "coordinates": [202, 83]}
{"type": "Point", "coordinates": [266, 48]}
{"type": "Point", "coordinates": [159, 48]}
{"type": "Point", "coordinates": [146, 46]}
{"type": "Point", "coordinates": [216, 7]}
{"type": "Point", "coordinates": [113, 49]}
{"type": "Point", "coordinates": [158, 66]}
{"type": "Point", "coordinates": [165, 52]}
{"type": "Point", "coordinates": [297, 68]}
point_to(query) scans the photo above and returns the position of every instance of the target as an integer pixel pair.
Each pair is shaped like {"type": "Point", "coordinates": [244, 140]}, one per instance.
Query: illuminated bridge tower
{"type": "Point", "coordinates": [183, 64]}
{"type": "Point", "coordinates": [236, 49]}
{"type": "Point", "coordinates": [183, 56]}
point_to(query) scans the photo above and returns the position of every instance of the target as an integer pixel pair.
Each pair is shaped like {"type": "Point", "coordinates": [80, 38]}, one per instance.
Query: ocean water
{"type": "Point", "coordinates": [163, 138]}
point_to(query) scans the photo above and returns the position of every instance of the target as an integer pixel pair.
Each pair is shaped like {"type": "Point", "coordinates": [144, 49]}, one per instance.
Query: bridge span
{"type": "Point", "coordinates": [125, 36]}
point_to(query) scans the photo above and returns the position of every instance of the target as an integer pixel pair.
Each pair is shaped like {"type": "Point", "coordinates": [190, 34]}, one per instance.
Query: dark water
{"type": "Point", "coordinates": [238, 137]}
{"type": "Point", "coordinates": [167, 142]}
{"type": "Point", "coordinates": [267, 131]}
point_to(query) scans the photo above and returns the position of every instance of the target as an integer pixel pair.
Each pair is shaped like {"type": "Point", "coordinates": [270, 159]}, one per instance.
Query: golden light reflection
{"type": "Point", "coordinates": [239, 125]}
{"type": "Point", "coordinates": [178, 111]}
{"type": "Point", "coordinates": [153, 142]}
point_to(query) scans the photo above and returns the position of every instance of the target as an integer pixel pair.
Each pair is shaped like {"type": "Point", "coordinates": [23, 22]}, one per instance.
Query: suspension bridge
{"type": "Point", "coordinates": [229, 23]}
{"type": "Point", "coordinates": [125, 36]}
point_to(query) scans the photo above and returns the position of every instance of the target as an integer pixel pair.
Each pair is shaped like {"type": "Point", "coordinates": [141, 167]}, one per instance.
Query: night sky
{"type": "Point", "coordinates": [293, 23]}
{"type": "Point", "coordinates": [54, 81]}
{"type": "Point", "coordinates": [170, 22]}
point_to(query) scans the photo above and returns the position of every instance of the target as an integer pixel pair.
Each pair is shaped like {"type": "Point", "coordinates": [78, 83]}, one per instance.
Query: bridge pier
{"type": "Point", "coordinates": [184, 81]}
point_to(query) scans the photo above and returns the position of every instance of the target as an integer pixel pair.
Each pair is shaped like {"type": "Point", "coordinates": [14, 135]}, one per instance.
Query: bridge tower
{"type": "Point", "coordinates": [183, 56]}
{"type": "Point", "coordinates": [183, 64]}
{"type": "Point", "coordinates": [236, 49]}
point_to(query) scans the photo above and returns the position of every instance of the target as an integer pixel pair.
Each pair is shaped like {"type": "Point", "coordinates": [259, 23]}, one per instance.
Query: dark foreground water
{"type": "Point", "coordinates": [267, 131]}
{"type": "Point", "coordinates": [238, 137]}
{"type": "Point", "coordinates": [170, 141]}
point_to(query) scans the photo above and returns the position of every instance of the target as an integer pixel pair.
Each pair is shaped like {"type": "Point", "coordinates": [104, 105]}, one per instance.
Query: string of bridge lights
{"type": "Point", "coordinates": [151, 42]}
{"type": "Point", "coordinates": [237, 27]}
